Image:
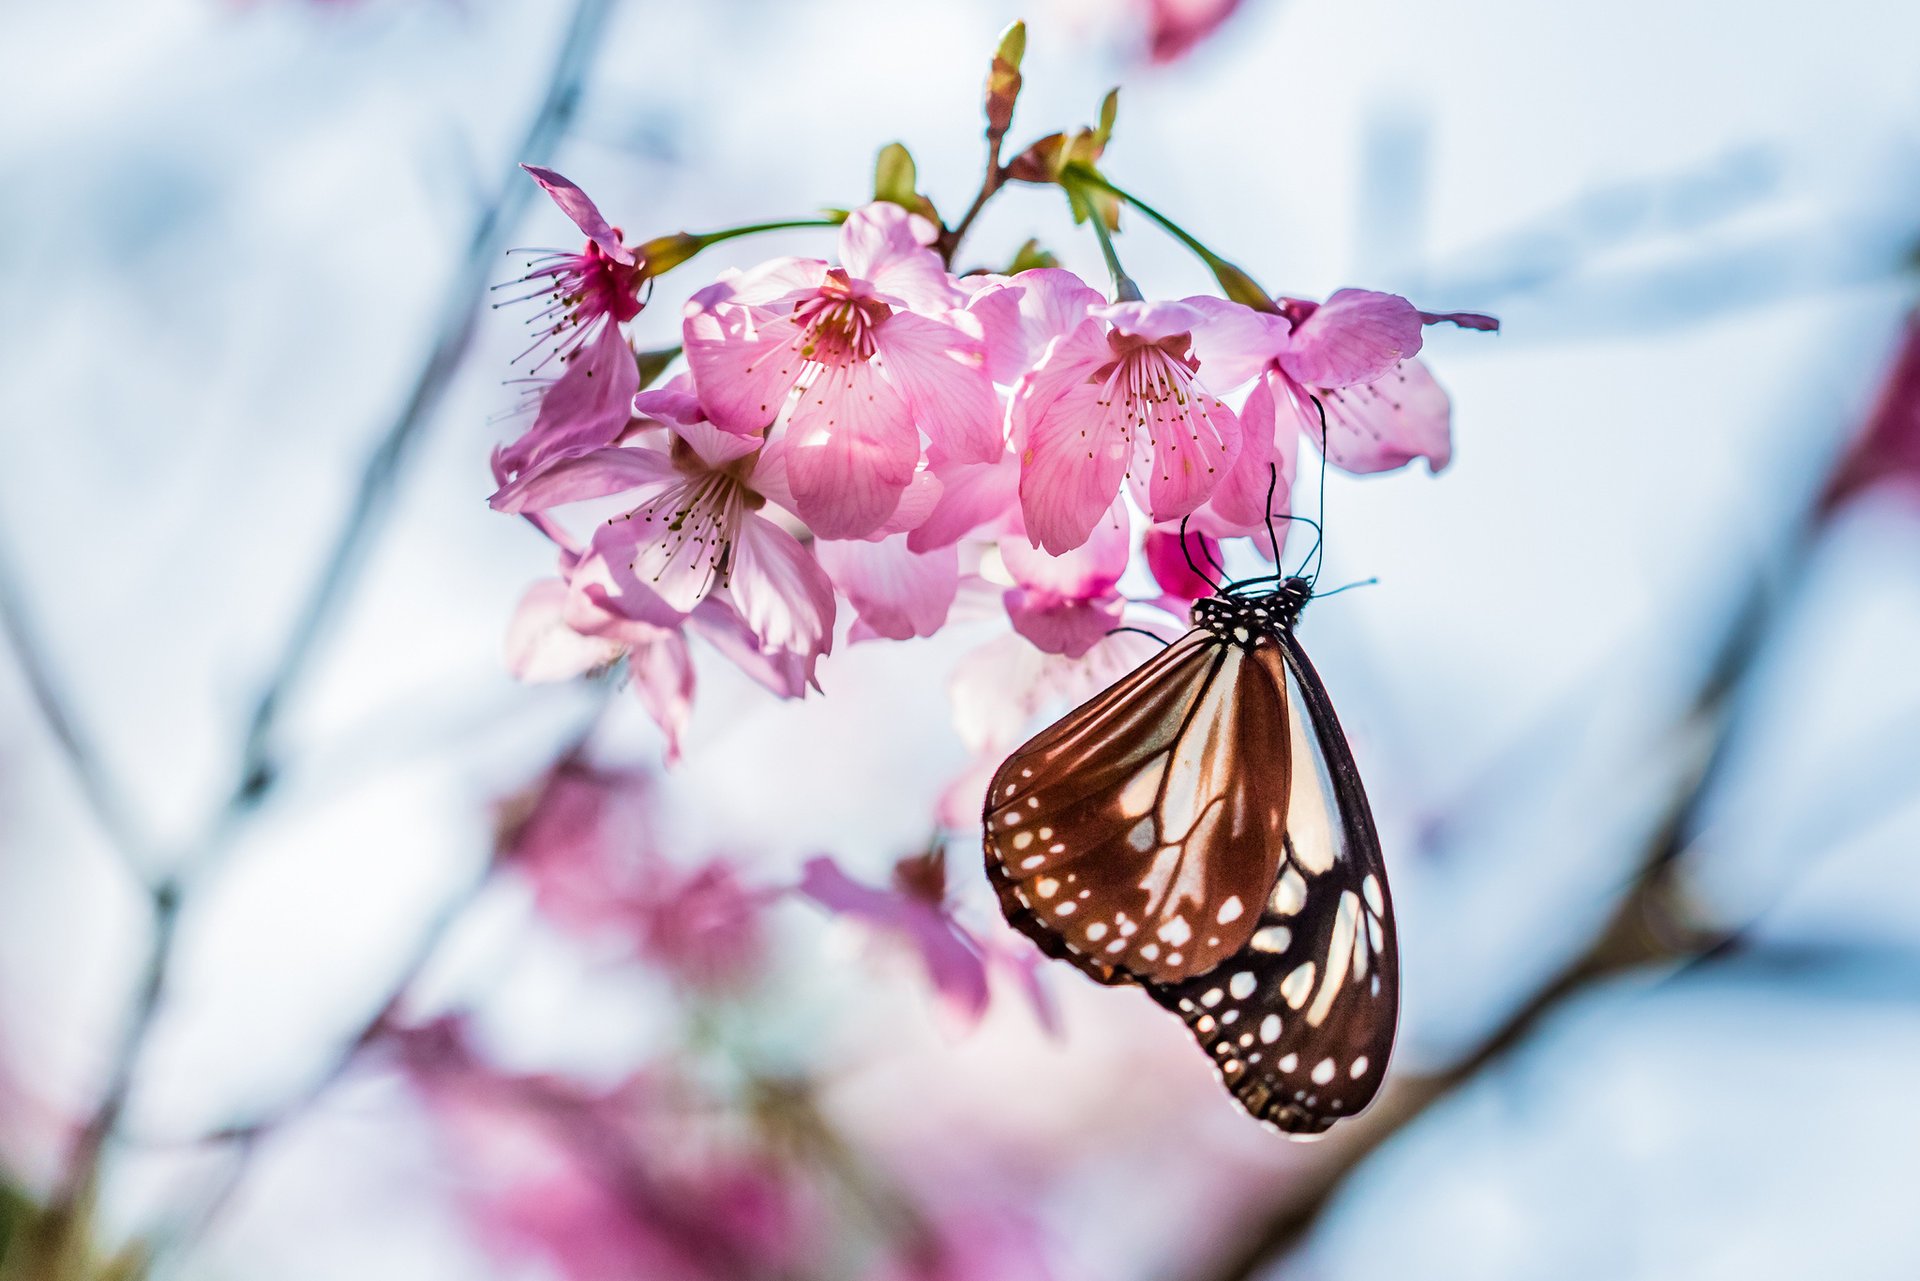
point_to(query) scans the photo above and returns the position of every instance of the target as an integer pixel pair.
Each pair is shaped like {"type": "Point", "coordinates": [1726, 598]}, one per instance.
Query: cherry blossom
{"type": "Point", "coordinates": [875, 352]}
{"type": "Point", "coordinates": [1066, 604]}
{"type": "Point", "coordinates": [699, 527]}
{"type": "Point", "coordinates": [598, 286]}
{"type": "Point", "coordinates": [1129, 392]}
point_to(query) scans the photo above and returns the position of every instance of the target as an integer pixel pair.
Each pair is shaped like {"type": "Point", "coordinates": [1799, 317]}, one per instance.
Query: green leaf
{"type": "Point", "coordinates": [1109, 108]}
{"type": "Point", "coordinates": [1030, 256]}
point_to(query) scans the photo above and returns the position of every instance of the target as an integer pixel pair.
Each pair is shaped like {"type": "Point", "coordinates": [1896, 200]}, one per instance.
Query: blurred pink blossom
{"type": "Point", "coordinates": [1181, 573]}
{"type": "Point", "coordinates": [875, 350]}
{"type": "Point", "coordinates": [1886, 452]}
{"type": "Point", "coordinates": [599, 284]}
{"type": "Point", "coordinates": [599, 1185]}
{"type": "Point", "coordinates": [915, 911]}
{"type": "Point", "coordinates": [1175, 27]}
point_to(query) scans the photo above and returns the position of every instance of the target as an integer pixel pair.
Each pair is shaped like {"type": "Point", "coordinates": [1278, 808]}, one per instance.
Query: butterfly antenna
{"type": "Point", "coordinates": [1273, 537]}
{"type": "Point", "coordinates": [1187, 552]}
{"type": "Point", "coordinates": [1164, 642]}
{"type": "Point", "coordinates": [1365, 582]}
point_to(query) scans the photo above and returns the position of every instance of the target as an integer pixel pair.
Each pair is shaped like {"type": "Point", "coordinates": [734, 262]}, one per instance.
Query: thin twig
{"type": "Point", "coordinates": [460, 309]}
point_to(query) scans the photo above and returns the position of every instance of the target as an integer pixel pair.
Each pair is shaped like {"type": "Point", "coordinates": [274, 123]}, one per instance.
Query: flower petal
{"type": "Point", "coordinates": [1022, 314]}
{"type": "Point", "coordinates": [886, 246]}
{"type": "Point", "coordinates": [1464, 319]}
{"type": "Point", "coordinates": [971, 495]}
{"type": "Point", "coordinates": [594, 475]}
{"type": "Point", "coordinates": [662, 672]}
{"type": "Point", "coordinates": [588, 406]}
{"type": "Point", "coordinates": [1234, 342]}
{"type": "Point", "coordinates": [785, 673]}
{"type": "Point", "coordinates": [1354, 337]}
{"type": "Point", "coordinates": [851, 448]}
{"type": "Point", "coordinates": [575, 204]}
{"type": "Point", "coordinates": [1385, 424]}
{"type": "Point", "coordinates": [781, 591]}
{"type": "Point", "coordinates": [942, 373]}
{"type": "Point", "coordinates": [540, 645]}
{"type": "Point", "coordinates": [1269, 448]}
{"type": "Point", "coordinates": [1181, 572]}
{"type": "Point", "coordinates": [1086, 572]}
{"type": "Point", "coordinates": [1060, 624]}
{"type": "Point", "coordinates": [951, 957]}
{"type": "Point", "coordinates": [745, 362]}
{"type": "Point", "coordinates": [1070, 471]}
{"type": "Point", "coordinates": [1194, 445]}
{"type": "Point", "coordinates": [1152, 320]}
{"type": "Point", "coordinates": [897, 593]}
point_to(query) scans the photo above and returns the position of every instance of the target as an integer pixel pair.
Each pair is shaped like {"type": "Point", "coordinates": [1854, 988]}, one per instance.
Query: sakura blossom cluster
{"type": "Point", "coordinates": [842, 449]}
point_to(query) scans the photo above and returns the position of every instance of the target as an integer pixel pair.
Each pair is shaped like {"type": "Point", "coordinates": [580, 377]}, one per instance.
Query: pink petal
{"type": "Point", "coordinates": [1384, 424]}
{"type": "Point", "coordinates": [922, 496]}
{"type": "Point", "coordinates": [588, 406]}
{"type": "Point", "coordinates": [1075, 457]}
{"type": "Point", "coordinates": [1269, 446]}
{"type": "Point", "coordinates": [896, 592]}
{"type": "Point", "coordinates": [1066, 362]}
{"type": "Point", "coordinates": [951, 957]}
{"type": "Point", "coordinates": [1088, 571]}
{"type": "Point", "coordinates": [1152, 320]}
{"type": "Point", "coordinates": [1022, 314]}
{"type": "Point", "coordinates": [1193, 447]}
{"type": "Point", "coordinates": [971, 495]}
{"type": "Point", "coordinates": [594, 475]}
{"type": "Point", "coordinates": [1181, 573]}
{"type": "Point", "coordinates": [607, 591]}
{"type": "Point", "coordinates": [942, 373]}
{"type": "Point", "coordinates": [1176, 26]}
{"type": "Point", "coordinates": [540, 645]}
{"type": "Point", "coordinates": [785, 673]}
{"type": "Point", "coordinates": [1354, 337]}
{"type": "Point", "coordinates": [674, 404]}
{"type": "Point", "coordinates": [1234, 342]}
{"type": "Point", "coordinates": [745, 362]}
{"type": "Point", "coordinates": [714, 447]}
{"type": "Point", "coordinates": [851, 448]}
{"type": "Point", "coordinates": [781, 591]}
{"type": "Point", "coordinates": [575, 204]}
{"type": "Point", "coordinates": [662, 674]}
{"type": "Point", "coordinates": [774, 279]}
{"type": "Point", "coordinates": [886, 246]}
{"type": "Point", "coordinates": [1464, 319]}
{"type": "Point", "coordinates": [1062, 625]}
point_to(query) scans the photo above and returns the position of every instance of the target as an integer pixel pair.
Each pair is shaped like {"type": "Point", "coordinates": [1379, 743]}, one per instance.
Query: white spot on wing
{"type": "Point", "coordinates": [1241, 985]}
{"type": "Point", "coordinates": [1371, 888]}
{"type": "Point", "coordinates": [1322, 1072]}
{"type": "Point", "coordinates": [1097, 930]}
{"type": "Point", "coordinates": [1272, 938]}
{"type": "Point", "coordinates": [1289, 894]}
{"type": "Point", "coordinates": [1270, 1029]}
{"type": "Point", "coordinates": [1230, 910]}
{"type": "Point", "coordinates": [1359, 1068]}
{"type": "Point", "coordinates": [1297, 984]}
{"type": "Point", "coordinates": [1175, 931]}
{"type": "Point", "coordinates": [1137, 797]}
{"type": "Point", "coordinates": [1346, 920]}
{"type": "Point", "coordinates": [1141, 837]}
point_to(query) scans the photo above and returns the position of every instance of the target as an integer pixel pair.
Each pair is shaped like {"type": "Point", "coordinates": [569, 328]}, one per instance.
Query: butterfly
{"type": "Point", "coordinates": [1200, 829]}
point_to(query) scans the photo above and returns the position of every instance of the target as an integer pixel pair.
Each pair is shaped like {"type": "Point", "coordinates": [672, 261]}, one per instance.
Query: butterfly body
{"type": "Point", "coordinates": [1199, 829]}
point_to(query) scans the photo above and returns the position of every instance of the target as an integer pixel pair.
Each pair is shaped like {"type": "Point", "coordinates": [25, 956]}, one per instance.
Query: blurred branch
{"type": "Point", "coordinates": [30, 657]}
{"type": "Point", "coordinates": [460, 309]}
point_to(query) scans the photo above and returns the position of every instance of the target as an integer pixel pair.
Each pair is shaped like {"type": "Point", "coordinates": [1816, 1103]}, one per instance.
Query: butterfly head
{"type": "Point", "coordinates": [1245, 617]}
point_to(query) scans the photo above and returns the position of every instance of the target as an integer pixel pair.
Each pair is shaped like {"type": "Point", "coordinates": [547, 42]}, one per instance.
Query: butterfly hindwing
{"type": "Point", "coordinates": [1139, 835]}
{"type": "Point", "coordinates": [1301, 1021]}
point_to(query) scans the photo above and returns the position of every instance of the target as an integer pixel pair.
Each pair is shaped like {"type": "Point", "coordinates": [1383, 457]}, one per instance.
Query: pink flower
{"type": "Point", "coordinates": [915, 911]}
{"type": "Point", "coordinates": [897, 593]}
{"type": "Point", "coordinates": [1355, 352]}
{"type": "Point", "coordinates": [1131, 392]}
{"type": "Point", "coordinates": [698, 527]}
{"type": "Point", "coordinates": [875, 351]}
{"type": "Point", "coordinates": [583, 289]}
{"type": "Point", "coordinates": [1067, 604]}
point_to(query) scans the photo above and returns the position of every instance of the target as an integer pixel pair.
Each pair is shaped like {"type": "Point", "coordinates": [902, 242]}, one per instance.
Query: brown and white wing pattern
{"type": "Point", "coordinates": [1300, 1021]}
{"type": "Point", "coordinates": [1140, 836]}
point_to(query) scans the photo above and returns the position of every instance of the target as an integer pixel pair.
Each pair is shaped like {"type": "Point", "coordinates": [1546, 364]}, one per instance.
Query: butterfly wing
{"type": "Point", "coordinates": [1300, 1021]}
{"type": "Point", "coordinates": [1138, 837]}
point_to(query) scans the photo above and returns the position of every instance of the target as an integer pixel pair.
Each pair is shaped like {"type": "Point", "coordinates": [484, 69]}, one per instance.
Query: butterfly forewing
{"type": "Point", "coordinates": [1301, 1021]}
{"type": "Point", "coordinates": [1138, 837]}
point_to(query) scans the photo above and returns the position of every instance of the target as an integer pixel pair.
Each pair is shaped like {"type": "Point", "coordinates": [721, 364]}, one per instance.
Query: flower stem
{"type": "Point", "coordinates": [1236, 283]}
{"type": "Point", "coordinates": [1124, 290]}
{"type": "Point", "coordinates": [755, 228]}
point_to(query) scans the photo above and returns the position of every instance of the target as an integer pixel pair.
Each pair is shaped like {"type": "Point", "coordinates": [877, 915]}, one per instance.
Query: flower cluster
{"type": "Point", "coordinates": [869, 434]}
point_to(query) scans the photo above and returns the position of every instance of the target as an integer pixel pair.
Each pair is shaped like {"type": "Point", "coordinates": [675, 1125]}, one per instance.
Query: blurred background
{"type": "Point", "coordinates": [287, 990]}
